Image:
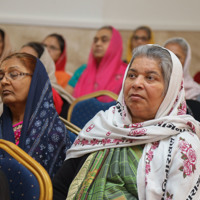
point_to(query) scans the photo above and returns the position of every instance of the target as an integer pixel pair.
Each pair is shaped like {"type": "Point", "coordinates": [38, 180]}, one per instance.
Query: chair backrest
{"type": "Point", "coordinates": [193, 108]}
{"type": "Point", "coordinates": [86, 107]}
{"type": "Point", "coordinates": [72, 129]}
{"type": "Point", "coordinates": [26, 177]}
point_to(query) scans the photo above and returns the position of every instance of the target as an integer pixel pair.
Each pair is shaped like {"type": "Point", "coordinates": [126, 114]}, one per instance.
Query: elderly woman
{"type": "Point", "coordinates": [181, 48]}
{"type": "Point", "coordinates": [145, 147]}
{"type": "Point", "coordinates": [29, 118]}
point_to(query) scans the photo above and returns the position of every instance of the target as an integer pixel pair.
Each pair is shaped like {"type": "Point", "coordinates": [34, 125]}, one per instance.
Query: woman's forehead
{"type": "Point", "coordinates": [12, 63]}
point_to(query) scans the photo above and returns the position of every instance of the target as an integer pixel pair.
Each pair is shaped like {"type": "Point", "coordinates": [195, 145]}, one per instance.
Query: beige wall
{"type": "Point", "coordinates": [79, 41]}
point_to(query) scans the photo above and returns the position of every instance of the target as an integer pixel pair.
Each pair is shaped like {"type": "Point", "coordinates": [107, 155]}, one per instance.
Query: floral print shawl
{"type": "Point", "coordinates": [43, 135]}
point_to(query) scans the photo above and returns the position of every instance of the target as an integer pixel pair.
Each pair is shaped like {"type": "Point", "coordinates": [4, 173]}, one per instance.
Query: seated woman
{"type": "Point", "coordinates": [29, 118]}
{"type": "Point", "coordinates": [145, 147]}
{"type": "Point", "coordinates": [57, 48]}
{"type": "Point", "coordinates": [104, 70]}
{"type": "Point", "coordinates": [62, 99]}
{"type": "Point", "coordinates": [181, 48]}
{"type": "Point", "coordinates": [141, 35]}
{"type": "Point", "coordinates": [5, 46]}
{"type": "Point", "coordinates": [5, 50]}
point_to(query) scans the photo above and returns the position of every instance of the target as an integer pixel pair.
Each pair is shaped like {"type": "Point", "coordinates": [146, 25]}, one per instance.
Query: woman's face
{"type": "Point", "coordinates": [101, 43]}
{"type": "Point", "coordinates": [29, 50]}
{"type": "Point", "coordinates": [1, 45]}
{"type": "Point", "coordinates": [178, 51]}
{"type": "Point", "coordinates": [144, 89]}
{"type": "Point", "coordinates": [140, 38]}
{"type": "Point", "coordinates": [14, 92]}
{"type": "Point", "coordinates": [53, 47]}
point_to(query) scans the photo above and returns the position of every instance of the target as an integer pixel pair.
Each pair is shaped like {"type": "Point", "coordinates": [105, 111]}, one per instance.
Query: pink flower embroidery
{"type": "Point", "coordinates": [191, 156]}
{"type": "Point", "coordinates": [137, 125]}
{"type": "Point", "coordinates": [76, 142]}
{"type": "Point", "coordinates": [105, 141]}
{"type": "Point", "coordinates": [90, 128]}
{"type": "Point", "coordinates": [84, 142]}
{"type": "Point", "coordinates": [94, 141]}
{"type": "Point", "coordinates": [137, 132]}
{"type": "Point", "coordinates": [191, 126]}
{"type": "Point", "coordinates": [108, 133]}
{"type": "Point", "coordinates": [188, 156]}
{"type": "Point", "coordinates": [169, 196]}
{"type": "Point", "coordinates": [184, 146]}
{"type": "Point", "coordinates": [182, 108]}
{"type": "Point", "coordinates": [147, 169]}
{"type": "Point", "coordinates": [149, 158]}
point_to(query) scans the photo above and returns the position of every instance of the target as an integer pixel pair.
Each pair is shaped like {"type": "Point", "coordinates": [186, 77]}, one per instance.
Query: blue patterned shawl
{"type": "Point", "coordinates": [43, 135]}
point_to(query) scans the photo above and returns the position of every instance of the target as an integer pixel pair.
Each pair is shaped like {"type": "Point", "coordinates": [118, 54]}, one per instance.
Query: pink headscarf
{"type": "Point", "coordinates": [108, 75]}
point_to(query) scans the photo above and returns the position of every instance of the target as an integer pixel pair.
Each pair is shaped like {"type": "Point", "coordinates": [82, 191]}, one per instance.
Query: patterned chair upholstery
{"type": "Point", "coordinates": [22, 183]}
{"type": "Point", "coordinates": [86, 107]}
{"type": "Point", "coordinates": [27, 179]}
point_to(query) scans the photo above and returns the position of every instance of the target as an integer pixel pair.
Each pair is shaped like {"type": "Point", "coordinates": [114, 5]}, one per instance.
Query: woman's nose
{"type": "Point", "coordinates": [138, 82]}
{"type": "Point", "coordinates": [4, 80]}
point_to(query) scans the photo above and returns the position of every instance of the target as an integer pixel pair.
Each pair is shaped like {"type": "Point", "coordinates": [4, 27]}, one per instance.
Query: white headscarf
{"type": "Point", "coordinates": [50, 68]}
{"type": "Point", "coordinates": [114, 128]}
{"type": "Point", "coordinates": [192, 89]}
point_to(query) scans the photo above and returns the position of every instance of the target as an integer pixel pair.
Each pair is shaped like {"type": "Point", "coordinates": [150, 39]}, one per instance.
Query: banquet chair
{"type": "Point", "coordinates": [72, 129]}
{"type": "Point", "coordinates": [86, 107]}
{"type": "Point", "coordinates": [27, 179]}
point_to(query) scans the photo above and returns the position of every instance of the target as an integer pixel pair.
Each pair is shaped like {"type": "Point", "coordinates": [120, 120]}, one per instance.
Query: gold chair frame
{"type": "Point", "coordinates": [89, 96]}
{"type": "Point", "coordinates": [73, 128]}
{"type": "Point", "coordinates": [46, 189]}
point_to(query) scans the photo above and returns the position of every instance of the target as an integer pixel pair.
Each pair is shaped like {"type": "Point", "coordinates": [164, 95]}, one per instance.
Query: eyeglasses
{"type": "Point", "coordinates": [13, 75]}
{"type": "Point", "coordinates": [51, 47]}
{"type": "Point", "coordinates": [140, 38]}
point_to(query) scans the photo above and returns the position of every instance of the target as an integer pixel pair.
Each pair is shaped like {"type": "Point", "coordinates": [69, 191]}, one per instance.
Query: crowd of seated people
{"type": "Point", "coordinates": [36, 91]}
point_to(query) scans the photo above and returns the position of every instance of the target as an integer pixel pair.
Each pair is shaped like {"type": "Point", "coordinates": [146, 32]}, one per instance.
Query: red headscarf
{"type": "Point", "coordinates": [108, 75]}
{"type": "Point", "coordinates": [61, 75]}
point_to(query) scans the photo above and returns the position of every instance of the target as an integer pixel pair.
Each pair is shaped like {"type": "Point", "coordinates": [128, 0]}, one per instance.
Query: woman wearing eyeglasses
{"type": "Point", "coordinates": [141, 36]}
{"type": "Point", "coordinates": [29, 117]}
{"type": "Point", "coordinates": [57, 48]}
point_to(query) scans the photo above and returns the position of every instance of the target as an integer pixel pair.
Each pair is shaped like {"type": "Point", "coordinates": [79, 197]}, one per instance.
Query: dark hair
{"type": "Point", "coordinates": [28, 60]}
{"type": "Point", "coordinates": [106, 27]}
{"type": "Point", "coordinates": [60, 39]}
{"type": "Point", "coordinates": [2, 33]}
{"type": "Point", "coordinates": [146, 29]}
{"type": "Point", "coordinates": [38, 47]}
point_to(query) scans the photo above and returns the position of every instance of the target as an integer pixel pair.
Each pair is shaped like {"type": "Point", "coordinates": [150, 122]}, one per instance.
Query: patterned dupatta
{"type": "Point", "coordinates": [43, 135]}
{"type": "Point", "coordinates": [171, 130]}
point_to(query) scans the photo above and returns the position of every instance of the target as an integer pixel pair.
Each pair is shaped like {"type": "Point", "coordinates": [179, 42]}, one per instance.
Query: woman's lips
{"type": "Point", "coordinates": [136, 97]}
{"type": "Point", "coordinates": [6, 92]}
